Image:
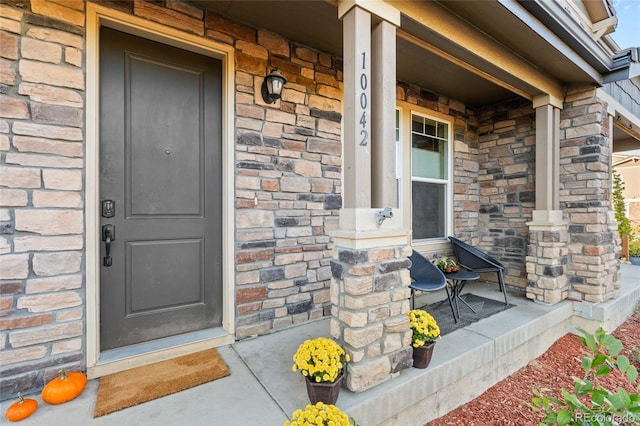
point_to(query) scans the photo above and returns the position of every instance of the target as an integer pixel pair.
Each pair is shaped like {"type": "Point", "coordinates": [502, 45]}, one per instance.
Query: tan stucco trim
{"type": "Point", "coordinates": [541, 100]}
{"type": "Point", "coordinates": [359, 230]}
{"type": "Point", "coordinates": [96, 16]}
{"type": "Point", "coordinates": [478, 44]}
{"type": "Point", "coordinates": [547, 220]}
{"type": "Point", "coordinates": [378, 8]}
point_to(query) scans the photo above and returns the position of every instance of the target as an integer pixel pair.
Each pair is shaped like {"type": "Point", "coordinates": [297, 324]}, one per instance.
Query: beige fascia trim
{"type": "Point", "coordinates": [97, 16]}
{"type": "Point", "coordinates": [478, 44]}
{"type": "Point", "coordinates": [378, 8]}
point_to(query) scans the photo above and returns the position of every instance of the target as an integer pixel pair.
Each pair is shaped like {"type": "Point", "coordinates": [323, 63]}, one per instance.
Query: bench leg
{"type": "Point", "coordinates": [413, 292]}
{"type": "Point", "coordinates": [502, 287]}
{"type": "Point", "coordinates": [450, 297]}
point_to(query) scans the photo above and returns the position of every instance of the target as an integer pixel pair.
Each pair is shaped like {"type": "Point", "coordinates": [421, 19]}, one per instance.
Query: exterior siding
{"type": "Point", "coordinates": [42, 195]}
{"type": "Point", "coordinates": [630, 173]}
{"type": "Point", "coordinates": [507, 184]}
{"type": "Point", "coordinates": [627, 92]}
{"type": "Point", "coordinates": [585, 196]}
{"type": "Point", "coordinates": [288, 181]}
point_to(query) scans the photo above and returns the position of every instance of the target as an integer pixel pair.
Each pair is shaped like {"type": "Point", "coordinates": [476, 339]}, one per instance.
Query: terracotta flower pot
{"type": "Point", "coordinates": [324, 392]}
{"type": "Point", "coordinates": [422, 355]}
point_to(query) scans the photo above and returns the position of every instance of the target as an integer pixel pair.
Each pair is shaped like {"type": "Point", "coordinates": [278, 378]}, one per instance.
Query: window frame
{"type": "Point", "coordinates": [404, 147]}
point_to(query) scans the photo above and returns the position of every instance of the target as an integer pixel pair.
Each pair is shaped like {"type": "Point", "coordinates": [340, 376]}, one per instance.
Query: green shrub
{"type": "Point", "coordinates": [634, 247]}
{"type": "Point", "coordinates": [606, 407]}
{"type": "Point", "coordinates": [624, 225]}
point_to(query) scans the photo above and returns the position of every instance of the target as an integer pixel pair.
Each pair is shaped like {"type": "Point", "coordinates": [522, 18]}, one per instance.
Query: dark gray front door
{"type": "Point", "coordinates": [160, 165]}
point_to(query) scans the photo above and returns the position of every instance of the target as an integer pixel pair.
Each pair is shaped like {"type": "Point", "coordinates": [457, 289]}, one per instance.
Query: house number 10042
{"type": "Point", "coordinates": [363, 103]}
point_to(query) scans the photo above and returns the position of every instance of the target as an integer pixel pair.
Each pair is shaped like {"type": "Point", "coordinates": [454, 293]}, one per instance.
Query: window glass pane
{"type": "Point", "coordinates": [429, 148]}
{"type": "Point", "coordinates": [428, 201]}
{"type": "Point", "coordinates": [417, 124]}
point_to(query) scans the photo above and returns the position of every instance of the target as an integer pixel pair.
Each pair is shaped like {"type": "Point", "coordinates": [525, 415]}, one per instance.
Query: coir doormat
{"type": "Point", "coordinates": [132, 387]}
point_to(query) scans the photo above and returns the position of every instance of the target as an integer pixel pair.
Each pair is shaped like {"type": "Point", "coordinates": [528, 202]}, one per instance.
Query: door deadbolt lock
{"type": "Point", "coordinates": [108, 208]}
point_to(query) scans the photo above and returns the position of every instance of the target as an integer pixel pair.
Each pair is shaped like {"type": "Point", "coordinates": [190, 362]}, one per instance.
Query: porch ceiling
{"type": "Point", "coordinates": [519, 37]}
{"type": "Point", "coordinates": [623, 140]}
{"type": "Point", "coordinates": [415, 64]}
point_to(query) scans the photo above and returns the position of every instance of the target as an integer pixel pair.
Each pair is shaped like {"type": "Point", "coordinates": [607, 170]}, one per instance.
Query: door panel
{"type": "Point", "coordinates": [175, 166]}
{"type": "Point", "coordinates": [156, 267]}
{"type": "Point", "coordinates": [160, 162]}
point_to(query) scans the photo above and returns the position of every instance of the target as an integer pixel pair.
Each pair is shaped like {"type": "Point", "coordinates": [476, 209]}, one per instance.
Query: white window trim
{"type": "Point", "coordinates": [405, 173]}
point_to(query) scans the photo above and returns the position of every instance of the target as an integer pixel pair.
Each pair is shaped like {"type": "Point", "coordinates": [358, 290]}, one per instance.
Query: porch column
{"type": "Point", "coordinates": [548, 233]}
{"type": "Point", "coordinates": [547, 152]}
{"type": "Point", "coordinates": [357, 109]}
{"type": "Point", "coordinates": [383, 99]}
{"type": "Point", "coordinates": [585, 155]}
{"type": "Point", "coordinates": [370, 277]}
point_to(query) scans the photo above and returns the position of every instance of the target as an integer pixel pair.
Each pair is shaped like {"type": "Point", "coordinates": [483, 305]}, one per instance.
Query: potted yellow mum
{"type": "Point", "coordinates": [320, 414]}
{"type": "Point", "coordinates": [425, 332]}
{"type": "Point", "coordinates": [321, 361]}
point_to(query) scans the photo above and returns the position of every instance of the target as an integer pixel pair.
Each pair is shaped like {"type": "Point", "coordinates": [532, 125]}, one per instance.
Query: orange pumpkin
{"type": "Point", "coordinates": [64, 387]}
{"type": "Point", "coordinates": [21, 409]}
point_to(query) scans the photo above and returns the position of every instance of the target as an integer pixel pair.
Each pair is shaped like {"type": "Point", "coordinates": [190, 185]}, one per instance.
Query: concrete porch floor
{"type": "Point", "coordinates": [262, 389]}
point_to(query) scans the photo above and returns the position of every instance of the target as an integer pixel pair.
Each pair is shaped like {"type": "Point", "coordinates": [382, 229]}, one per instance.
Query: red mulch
{"type": "Point", "coordinates": [506, 402]}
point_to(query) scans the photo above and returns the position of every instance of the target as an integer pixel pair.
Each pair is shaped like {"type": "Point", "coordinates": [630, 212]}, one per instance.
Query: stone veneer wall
{"type": "Point", "coordinates": [507, 184]}
{"type": "Point", "coordinates": [41, 192]}
{"type": "Point", "coordinates": [288, 170]}
{"type": "Point", "coordinates": [466, 188]}
{"type": "Point", "coordinates": [288, 180]}
{"type": "Point", "coordinates": [585, 196]}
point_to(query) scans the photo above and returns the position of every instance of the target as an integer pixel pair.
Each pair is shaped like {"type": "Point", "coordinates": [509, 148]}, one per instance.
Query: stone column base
{"type": "Point", "coordinates": [370, 301]}
{"type": "Point", "coordinates": [547, 257]}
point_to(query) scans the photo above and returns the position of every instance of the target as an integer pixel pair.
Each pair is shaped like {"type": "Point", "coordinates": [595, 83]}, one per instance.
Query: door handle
{"type": "Point", "coordinates": [108, 236]}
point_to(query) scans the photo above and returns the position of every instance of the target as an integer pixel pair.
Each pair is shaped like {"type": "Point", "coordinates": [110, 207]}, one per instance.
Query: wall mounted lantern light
{"type": "Point", "coordinates": [272, 86]}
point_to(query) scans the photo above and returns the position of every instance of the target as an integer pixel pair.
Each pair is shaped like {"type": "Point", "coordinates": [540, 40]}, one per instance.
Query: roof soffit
{"type": "Point", "coordinates": [597, 10]}
{"type": "Point", "coordinates": [435, 24]}
{"type": "Point", "coordinates": [506, 59]}
{"type": "Point", "coordinates": [554, 17]}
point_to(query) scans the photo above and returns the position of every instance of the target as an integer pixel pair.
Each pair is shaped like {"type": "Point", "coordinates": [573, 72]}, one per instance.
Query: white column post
{"type": "Point", "coordinates": [547, 154]}
{"type": "Point", "coordinates": [548, 232]}
{"type": "Point", "coordinates": [383, 97]}
{"type": "Point", "coordinates": [357, 108]}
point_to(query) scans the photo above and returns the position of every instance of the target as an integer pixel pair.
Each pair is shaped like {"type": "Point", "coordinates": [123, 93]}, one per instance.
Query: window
{"type": "Point", "coordinates": [430, 177]}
